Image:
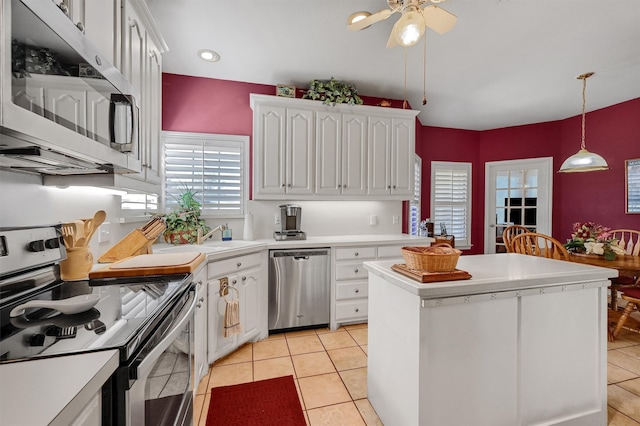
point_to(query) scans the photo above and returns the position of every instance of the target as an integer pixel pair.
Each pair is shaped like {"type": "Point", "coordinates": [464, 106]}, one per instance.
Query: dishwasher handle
{"type": "Point", "coordinates": [299, 254]}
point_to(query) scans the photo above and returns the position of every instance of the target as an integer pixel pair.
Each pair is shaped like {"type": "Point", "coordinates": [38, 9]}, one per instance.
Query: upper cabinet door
{"type": "Point", "coordinates": [354, 154]}
{"type": "Point", "coordinates": [269, 149]}
{"type": "Point", "coordinates": [402, 157]}
{"type": "Point", "coordinates": [299, 151]}
{"type": "Point", "coordinates": [379, 152]}
{"type": "Point", "coordinates": [134, 50]}
{"type": "Point", "coordinates": [328, 153]}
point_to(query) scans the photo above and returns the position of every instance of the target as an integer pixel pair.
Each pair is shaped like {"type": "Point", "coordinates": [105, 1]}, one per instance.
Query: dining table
{"type": "Point", "coordinates": [626, 265]}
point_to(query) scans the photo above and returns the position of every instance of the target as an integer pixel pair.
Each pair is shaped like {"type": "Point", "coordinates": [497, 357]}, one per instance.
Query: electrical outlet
{"type": "Point", "coordinates": [104, 232]}
{"type": "Point", "coordinates": [395, 219]}
{"type": "Point", "coordinates": [373, 220]}
{"type": "Point", "coordinates": [276, 219]}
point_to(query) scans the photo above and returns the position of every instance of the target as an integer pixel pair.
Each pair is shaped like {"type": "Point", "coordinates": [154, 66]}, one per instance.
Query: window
{"type": "Point", "coordinates": [213, 166]}
{"type": "Point", "coordinates": [414, 204]}
{"type": "Point", "coordinates": [451, 199]}
{"type": "Point", "coordinates": [140, 202]}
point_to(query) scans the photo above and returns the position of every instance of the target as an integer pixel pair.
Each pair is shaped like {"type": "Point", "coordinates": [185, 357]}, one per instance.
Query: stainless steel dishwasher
{"type": "Point", "coordinates": [299, 288]}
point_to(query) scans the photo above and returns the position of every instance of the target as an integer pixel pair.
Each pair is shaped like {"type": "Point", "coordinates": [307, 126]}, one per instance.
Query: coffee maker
{"type": "Point", "coordinates": [290, 219]}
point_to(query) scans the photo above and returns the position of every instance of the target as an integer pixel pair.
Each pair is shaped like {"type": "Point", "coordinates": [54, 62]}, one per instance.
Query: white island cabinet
{"type": "Point", "coordinates": [523, 342]}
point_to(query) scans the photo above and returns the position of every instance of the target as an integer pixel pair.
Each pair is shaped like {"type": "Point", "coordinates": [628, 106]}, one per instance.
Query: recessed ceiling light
{"type": "Point", "coordinates": [208, 55]}
{"type": "Point", "coordinates": [358, 16]}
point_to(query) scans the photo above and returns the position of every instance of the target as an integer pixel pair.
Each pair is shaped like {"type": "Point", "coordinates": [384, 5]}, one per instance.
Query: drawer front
{"type": "Point", "coordinates": [232, 265]}
{"type": "Point", "coordinates": [355, 290]}
{"type": "Point", "coordinates": [351, 310]}
{"type": "Point", "coordinates": [388, 252]}
{"type": "Point", "coordinates": [350, 271]}
{"type": "Point", "coordinates": [351, 253]}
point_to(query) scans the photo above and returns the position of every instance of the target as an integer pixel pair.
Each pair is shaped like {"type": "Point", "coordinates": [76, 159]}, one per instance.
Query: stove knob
{"type": "Point", "coordinates": [36, 246]}
{"type": "Point", "coordinates": [36, 340]}
{"type": "Point", "coordinates": [52, 243]}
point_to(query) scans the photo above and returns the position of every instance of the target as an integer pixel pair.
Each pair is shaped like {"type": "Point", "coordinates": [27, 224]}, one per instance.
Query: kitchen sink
{"type": "Point", "coordinates": [208, 247]}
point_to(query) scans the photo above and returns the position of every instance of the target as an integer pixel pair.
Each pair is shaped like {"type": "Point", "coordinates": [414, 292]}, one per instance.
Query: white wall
{"type": "Point", "coordinates": [26, 202]}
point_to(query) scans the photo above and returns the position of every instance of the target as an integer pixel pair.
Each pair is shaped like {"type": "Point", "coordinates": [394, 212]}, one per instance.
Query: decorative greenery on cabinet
{"type": "Point", "coordinates": [332, 92]}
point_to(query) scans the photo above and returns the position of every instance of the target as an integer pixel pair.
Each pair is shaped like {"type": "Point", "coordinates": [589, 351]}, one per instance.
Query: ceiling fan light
{"type": "Point", "coordinates": [583, 161]}
{"type": "Point", "coordinates": [411, 27]}
{"type": "Point", "coordinates": [358, 16]}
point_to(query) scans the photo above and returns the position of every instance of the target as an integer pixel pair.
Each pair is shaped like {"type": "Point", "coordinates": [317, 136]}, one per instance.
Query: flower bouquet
{"type": "Point", "coordinates": [595, 239]}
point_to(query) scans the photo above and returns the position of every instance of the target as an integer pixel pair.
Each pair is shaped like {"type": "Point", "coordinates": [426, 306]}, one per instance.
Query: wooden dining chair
{"type": "Point", "coordinates": [628, 239]}
{"type": "Point", "coordinates": [632, 296]}
{"type": "Point", "coordinates": [510, 232]}
{"type": "Point", "coordinates": [541, 245]}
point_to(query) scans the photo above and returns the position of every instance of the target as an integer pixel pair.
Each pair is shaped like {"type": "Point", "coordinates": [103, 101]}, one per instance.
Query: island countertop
{"type": "Point", "coordinates": [494, 272]}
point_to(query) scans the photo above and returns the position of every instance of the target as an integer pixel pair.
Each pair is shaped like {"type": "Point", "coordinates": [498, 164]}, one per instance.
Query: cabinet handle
{"type": "Point", "coordinates": [389, 187]}
{"type": "Point", "coordinates": [239, 264]}
{"type": "Point", "coordinates": [394, 187]}
{"type": "Point", "coordinates": [234, 282]}
{"type": "Point", "coordinates": [357, 310]}
{"type": "Point", "coordinates": [283, 185]}
{"type": "Point", "coordinates": [63, 7]}
{"type": "Point", "coordinates": [98, 60]}
{"type": "Point", "coordinates": [80, 26]}
{"type": "Point", "coordinates": [356, 254]}
{"type": "Point", "coordinates": [357, 291]}
{"type": "Point", "coordinates": [202, 299]}
{"type": "Point", "coordinates": [244, 278]}
{"type": "Point", "coordinates": [199, 305]}
{"type": "Point", "coordinates": [356, 270]}
{"type": "Point", "coordinates": [289, 185]}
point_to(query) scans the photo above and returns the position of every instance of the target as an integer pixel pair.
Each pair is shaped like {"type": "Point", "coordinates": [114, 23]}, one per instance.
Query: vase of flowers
{"type": "Point", "coordinates": [593, 239]}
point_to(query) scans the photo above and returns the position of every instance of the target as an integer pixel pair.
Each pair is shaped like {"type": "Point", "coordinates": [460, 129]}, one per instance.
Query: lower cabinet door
{"type": "Point", "coordinates": [249, 304]}
{"type": "Point", "coordinates": [218, 344]}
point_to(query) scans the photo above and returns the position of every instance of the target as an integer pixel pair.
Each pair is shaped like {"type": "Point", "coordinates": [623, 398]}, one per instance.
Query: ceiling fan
{"type": "Point", "coordinates": [416, 16]}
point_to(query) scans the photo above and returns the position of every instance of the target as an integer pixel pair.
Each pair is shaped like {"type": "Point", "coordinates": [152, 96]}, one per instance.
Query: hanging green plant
{"type": "Point", "coordinates": [332, 92]}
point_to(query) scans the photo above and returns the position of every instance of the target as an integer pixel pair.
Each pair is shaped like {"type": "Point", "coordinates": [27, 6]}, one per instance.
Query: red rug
{"type": "Point", "coordinates": [272, 402]}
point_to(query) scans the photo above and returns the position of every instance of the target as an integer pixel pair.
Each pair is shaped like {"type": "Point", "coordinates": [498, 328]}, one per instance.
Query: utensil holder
{"type": "Point", "coordinates": [77, 265]}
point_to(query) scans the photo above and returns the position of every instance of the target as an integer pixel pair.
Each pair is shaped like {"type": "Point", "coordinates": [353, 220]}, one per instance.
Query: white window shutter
{"type": "Point", "coordinates": [451, 199]}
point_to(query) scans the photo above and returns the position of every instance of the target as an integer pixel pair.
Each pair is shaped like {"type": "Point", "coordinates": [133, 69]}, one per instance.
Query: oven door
{"type": "Point", "coordinates": [162, 389]}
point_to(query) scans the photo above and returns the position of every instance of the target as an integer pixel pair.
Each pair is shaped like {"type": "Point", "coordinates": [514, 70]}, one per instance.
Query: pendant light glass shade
{"type": "Point", "coordinates": [410, 27]}
{"type": "Point", "coordinates": [583, 160]}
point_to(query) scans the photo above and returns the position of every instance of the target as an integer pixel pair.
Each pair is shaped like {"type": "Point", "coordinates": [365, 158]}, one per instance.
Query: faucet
{"type": "Point", "coordinates": [200, 238]}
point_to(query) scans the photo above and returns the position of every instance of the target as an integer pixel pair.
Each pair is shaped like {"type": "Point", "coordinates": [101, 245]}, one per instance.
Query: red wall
{"type": "Point", "coordinates": [196, 104]}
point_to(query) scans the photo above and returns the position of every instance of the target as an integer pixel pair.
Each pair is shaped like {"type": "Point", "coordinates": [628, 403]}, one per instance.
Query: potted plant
{"type": "Point", "coordinates": [332, 92]}
{"type": "Point", "coordinates": [184, 221]}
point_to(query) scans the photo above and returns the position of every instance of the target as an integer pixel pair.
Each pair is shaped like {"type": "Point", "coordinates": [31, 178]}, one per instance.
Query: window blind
{"type": "Point", "coordinates": [414, 204]}
{"type": "Point", "coordinates": [633, 186]}
{"type": "Point", "coordinates": [451, 199]}
{"type": "Point", "coordinates": [213, 168]}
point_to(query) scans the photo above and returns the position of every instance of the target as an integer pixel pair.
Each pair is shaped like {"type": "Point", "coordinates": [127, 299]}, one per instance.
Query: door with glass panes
{"type": "Point", "coordinates": [518, 192]}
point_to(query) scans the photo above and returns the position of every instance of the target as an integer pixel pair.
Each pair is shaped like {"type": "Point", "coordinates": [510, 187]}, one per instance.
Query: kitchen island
{"type": "Point", "coordinates": [522, 342]}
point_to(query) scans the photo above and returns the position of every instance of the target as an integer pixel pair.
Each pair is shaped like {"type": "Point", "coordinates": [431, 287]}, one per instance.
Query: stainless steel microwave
{"type": "Point", "coordinates": [65, 109]}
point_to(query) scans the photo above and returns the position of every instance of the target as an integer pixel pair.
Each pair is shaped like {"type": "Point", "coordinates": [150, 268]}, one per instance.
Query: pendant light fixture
{"type": "Point", "coordinates": [583, 160]}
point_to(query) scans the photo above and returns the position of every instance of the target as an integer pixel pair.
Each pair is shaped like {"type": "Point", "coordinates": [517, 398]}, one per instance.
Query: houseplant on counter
{"type": "Point", "coordinates": [593, 239]}
{"type": "Point", "coordinates": [184, 221]}
{"type": "Point", "coordinates": [332, 92]}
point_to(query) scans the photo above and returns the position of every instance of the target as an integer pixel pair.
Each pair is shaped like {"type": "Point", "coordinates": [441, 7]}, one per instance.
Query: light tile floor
{"type": "Point", "coordinates": [330, 372]}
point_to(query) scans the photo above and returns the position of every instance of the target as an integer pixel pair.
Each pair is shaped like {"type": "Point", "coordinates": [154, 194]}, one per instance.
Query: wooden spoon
{"type": "Point", "coordinates": [98, 219]}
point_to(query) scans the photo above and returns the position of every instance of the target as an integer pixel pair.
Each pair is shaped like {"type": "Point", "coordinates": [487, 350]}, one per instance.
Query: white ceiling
{"type": "Point", "coordinates": [505, 63]}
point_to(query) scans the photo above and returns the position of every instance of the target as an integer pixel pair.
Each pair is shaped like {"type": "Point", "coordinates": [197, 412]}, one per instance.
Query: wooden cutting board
{"type": "Point", "coordinates": [151, 264]}
{"type": "Point", "coordinates": [431, 277]}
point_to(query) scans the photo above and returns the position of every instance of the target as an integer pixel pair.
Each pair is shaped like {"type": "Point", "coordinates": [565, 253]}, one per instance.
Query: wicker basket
{"type": "Point", "coordinates": [419, 258]}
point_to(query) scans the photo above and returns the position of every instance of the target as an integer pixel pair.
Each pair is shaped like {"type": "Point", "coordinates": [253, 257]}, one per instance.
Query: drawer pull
{"type": "Point", "coordinates": [239, 264]}
{"type": "Point", "coordinates": [357, 310]}
{"type": "Point", "coordinates": [234, 282]}
{"type": "Point", "coordinates": [356, 254]}
{"type": "Point", "coordinates": [244, 278]}
{"type": "Point", "coordinates": [356, 270]}
{"type": "Point", "coordinates": [357, 291]}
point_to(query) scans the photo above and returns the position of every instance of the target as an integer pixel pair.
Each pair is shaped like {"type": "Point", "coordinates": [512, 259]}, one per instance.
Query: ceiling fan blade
{"type": "Point", "coordinates": [392, 42]}
{"type": "Point", "coordinates": [370, 20]}
{"type": "Point", "coordinates": [439, 20]}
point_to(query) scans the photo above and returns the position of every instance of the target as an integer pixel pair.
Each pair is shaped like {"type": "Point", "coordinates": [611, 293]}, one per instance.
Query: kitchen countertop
{"type": "Point", "coordinates": [216, 249]}
{"type": "Point", "coordinates": [70, 383]}
{"type": "Point", "coordinates": [494, 272]}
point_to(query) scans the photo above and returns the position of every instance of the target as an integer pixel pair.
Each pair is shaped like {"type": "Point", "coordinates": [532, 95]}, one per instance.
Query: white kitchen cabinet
{"type": "Point", "coordinates": [341, 159]}
{"type": "Point", "coordinates": [350, 281]}
{"type": "Point", "coordinates": [100, 22]}
{"type": "Point", "coordinates": [247, 275]}
{"type": "Point", "coordinates": [200, 359]}
{"type": "Point", "coordinates": [283, 145]}
{"type": "Point", "coordinates": [391, 149]}
{"type": "Point", "coordinates": [306, 150]}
